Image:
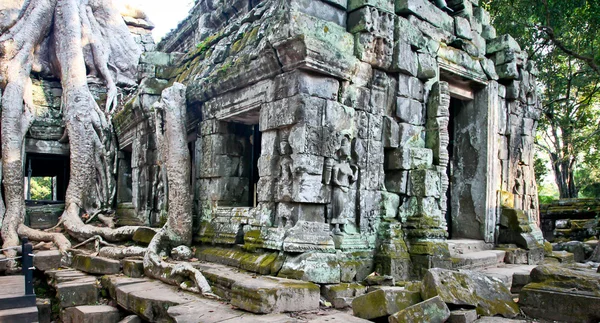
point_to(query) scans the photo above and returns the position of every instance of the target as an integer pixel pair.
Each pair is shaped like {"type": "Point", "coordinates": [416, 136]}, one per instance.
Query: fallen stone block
{"type": "Point", "coordinates": [384, 302]}
{"type": "Point", "coordinates": [487, 294]}
{"type": "Point", "coordinates": [433, 310]}
{"type": "Point", "coordinates": [563, 294]}
{"type": "Point", "coordinates": [462, 316]}
{"type": "Point", "coordinates": [91, 314]}
{"type": "Point", "coordinates": [331, 292]}
{"type": "Point", "coordinates": [96, 265]}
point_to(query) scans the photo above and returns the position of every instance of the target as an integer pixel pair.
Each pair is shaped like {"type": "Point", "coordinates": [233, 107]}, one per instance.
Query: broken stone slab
{"type": "Point", "coordinates": [384, 302]}
{"type": "Point", "coordinates": [209, 311]}
{"type": "Point", "coordinates": [343, 290]}
{"type": "Point", "coordinates": [91, 314]}
{"type": "Point", "coordinates": [321, 268]}
{"type": "Point", "coordinates": [462, 316]}
{"type": "Point", "coordinates": [560, 293]}
{"type": "Point", "coordinates": [96, 265]}
{"type": "Point", "coordinates": [488, 295]}
{"type": "Point", "coordinates": [262, 294]}
{"type": "Point", "coordinates": [44, 306]}
{"type": "Point", "coordinates": [47, 259]}
{"type": "Point", "coordinates": [489, 319]}
{"type": "Point", "coordinates": [379, 280]}
{"type": "Point", "coordinates": [433, 310]}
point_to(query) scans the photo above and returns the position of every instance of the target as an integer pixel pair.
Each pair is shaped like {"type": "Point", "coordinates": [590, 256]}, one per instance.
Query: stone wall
{"type": "Point", "coordinates": [332, 138]}
{"type": "Point", "coordinates": [357, 103]}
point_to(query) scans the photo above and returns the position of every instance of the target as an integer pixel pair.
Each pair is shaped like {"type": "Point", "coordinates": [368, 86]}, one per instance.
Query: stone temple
{"type": "Point", "coordinates": [329, 138]}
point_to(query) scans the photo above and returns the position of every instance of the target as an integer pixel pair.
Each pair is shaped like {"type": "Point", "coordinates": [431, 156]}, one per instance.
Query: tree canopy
{"type": "Point", "coordinates": [563, 38]}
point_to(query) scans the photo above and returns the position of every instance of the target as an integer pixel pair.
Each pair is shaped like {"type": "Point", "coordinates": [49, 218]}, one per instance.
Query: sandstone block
{"type": "Point", "coordinates": [47, 259]}
{"type": "Point", "coordinates": [501, 43]}
{"type": "Point", "coordinates": [433, 310]}
{"type": "Point", "coordinates": [410, 111]}
{"type": "Point", "coordinates": [91, 314]}
{"type": "Point", "coordinates": [411, 136]}
{"type": "Point", "coordinates": [96, 265]}
{"type": "Point", "coordinates": [428, 66]}
{"type": "Point", "coordinates": [383, 302]}
{"type": "Point", "coordinates": [77, 292]}
{"type": "Point", "coordinates": [462, 316]}
{"type": "Point", "coordinates": [404, 60]}
{"type": "Point", "coordinates": [386, 5]}
{"type": "Point", "coordinates": [463, 28]}
{"type": "Point", "coordinates": [133, 268]}
{"type": "Point", "coordinates": [490, 296]}
{"type": "Point", "coordinates": [424, 182]}
{"type": "Point", "coordinates": [426, 11]}
{"type": "Point", "coordinates": [409, 158]}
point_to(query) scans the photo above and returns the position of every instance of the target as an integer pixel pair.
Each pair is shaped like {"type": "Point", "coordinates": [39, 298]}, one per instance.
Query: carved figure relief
{"type": "Point", "coordinates": [343, 175]}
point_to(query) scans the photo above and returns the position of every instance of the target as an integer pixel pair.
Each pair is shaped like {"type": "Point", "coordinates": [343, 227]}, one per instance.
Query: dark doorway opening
{"type": "Point", "coordinates": [254, 149]}
{"type": "Point", "coordinates": [46, 178]}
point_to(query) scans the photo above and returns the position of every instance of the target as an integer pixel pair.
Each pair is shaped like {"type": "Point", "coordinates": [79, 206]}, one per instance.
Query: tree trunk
{"type": "Point", "coordinates": [171, 136]}
{"type": "Point", "coordinates": [77, 27]}
{"type": "Point", "coordinates": [17, 47]}
{"type": "Point", "coordinates": [564, 177]}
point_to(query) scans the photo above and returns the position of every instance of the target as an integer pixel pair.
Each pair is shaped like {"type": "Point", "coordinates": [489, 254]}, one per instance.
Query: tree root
{"type": "Point", "coordinates": [122, 252]}
{"type": "Point", "coordinates": [183, 275]}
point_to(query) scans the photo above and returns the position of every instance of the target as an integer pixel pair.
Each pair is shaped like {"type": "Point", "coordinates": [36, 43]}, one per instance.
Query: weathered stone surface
{"type": "Point", "coordinates": [490, 296]}
{"type": "Point", "coordinates": [501, 43]}
{"type": "Point", "coordinates": [561, 293]}
{"type": "Point", "coordinates": [91, 314]}
{"type": "Point", "coordinates": [131, 319]}
{"type": "Point", "coordinates": [409, 158]}
{"type": "Point", "coordinates": [410, 111]}
{"type": "Point", "coordinates": [82, 291]}
{"type": "Point", "coordinates": [462, 316]}
{"type": "Point", "coordinates": [433, 310]}
{"type": "Point", "coordinates": [321, 268]}
{"type": "Point", "coordinates": [47, 259]}
{"type": "Point", "coordinates": [143, 235]}
{"type": "Point", "coordinates": [96, 265]}
{"type": "Point", "coordinates": [44, 307]}
{"type": "Point", "coordinates": [133, 268]}
{"type": "Point", "coordinates": [427, 11]}
{"type": "Point", "coordinates": [383, 302]}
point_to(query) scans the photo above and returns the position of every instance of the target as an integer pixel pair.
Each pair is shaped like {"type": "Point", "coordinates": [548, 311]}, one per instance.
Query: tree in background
{"type": "Point", "coordinates": [41, 188]}
{"type": "Point", "coordinates": [563, 38]}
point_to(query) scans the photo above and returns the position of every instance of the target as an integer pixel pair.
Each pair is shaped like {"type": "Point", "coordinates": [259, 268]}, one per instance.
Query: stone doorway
{"type": "Point", "coordinates": [464, 116]}
{"type": "Point", "coordinates": [55, 168]}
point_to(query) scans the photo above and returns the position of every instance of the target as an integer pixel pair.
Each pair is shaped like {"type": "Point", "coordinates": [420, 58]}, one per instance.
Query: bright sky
{"type": "Point", "coordinates": [165, 14]}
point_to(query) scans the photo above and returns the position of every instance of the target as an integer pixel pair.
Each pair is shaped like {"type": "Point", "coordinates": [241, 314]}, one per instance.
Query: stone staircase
{"type": "Point", "coordinates": [477, 255]}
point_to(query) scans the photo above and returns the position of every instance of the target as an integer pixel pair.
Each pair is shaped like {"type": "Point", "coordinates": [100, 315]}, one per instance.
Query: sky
{"type": "Point", "coordinates": [165, 14]}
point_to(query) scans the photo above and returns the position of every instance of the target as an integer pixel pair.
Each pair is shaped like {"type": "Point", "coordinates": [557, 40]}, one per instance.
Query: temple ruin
{"type": "Point", "coordinates": [328, 139]}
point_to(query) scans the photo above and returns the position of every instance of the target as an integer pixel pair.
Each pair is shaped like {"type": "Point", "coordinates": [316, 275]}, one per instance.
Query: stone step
{"type": "Point", "coordinates": [96, 265]}
{"type": "Point", "coordinates": [91, 314]}
{"type": "Point", "coordinates": [19, 315]}
{"type": "Point", "coordinates": [260, 294]}
{"type": "Point", "coordinates": [514, 277]}
{"type": "Point", "coordinates": [155, 301]}
{"type": "Point", "coordinates": [478, 259]}
{"type": "Point", "coordinates": [73, 287]}
{"type": "Point", "coordinates": [465, 246]}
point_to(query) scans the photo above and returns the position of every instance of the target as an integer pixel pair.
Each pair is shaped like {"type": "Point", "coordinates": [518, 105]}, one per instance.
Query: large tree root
{"type": "Point", "coordinates": [171, 134]}
{"type": "Point", "coordinates": [72, 28]}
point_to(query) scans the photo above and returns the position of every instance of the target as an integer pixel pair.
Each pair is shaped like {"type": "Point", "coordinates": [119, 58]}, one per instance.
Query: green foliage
{"type": "Point", "coordinates": [563, 38]}
{"type": "Point", "coordinates": [41, 188]}
{"type": "Point", "coordinates": [539, 167]}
